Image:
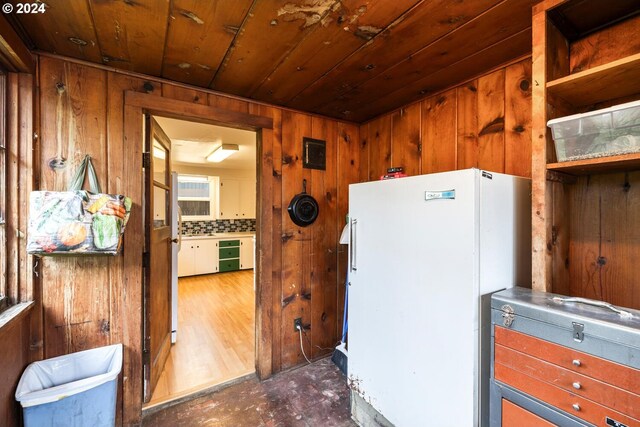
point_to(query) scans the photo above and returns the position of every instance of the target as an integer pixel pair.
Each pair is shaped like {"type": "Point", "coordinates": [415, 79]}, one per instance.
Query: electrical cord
{"type": "Point", "coordinates": [317, 346]}
{"type": "Point", "coordinates": [302, 346]}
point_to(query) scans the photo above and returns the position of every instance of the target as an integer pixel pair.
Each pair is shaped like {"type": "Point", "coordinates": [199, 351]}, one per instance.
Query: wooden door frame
{"type": "Point", "coordinates": [135, 106]}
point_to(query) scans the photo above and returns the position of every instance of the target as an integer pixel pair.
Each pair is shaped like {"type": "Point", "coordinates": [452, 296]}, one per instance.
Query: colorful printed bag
{"type": "Point", "coordinates": [77, 222]}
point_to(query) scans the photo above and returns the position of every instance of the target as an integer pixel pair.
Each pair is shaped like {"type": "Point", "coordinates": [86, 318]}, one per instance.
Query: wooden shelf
{"type": "Point", "coordinates": [610, 81]}
{"type": "Point", "coordinates": [598, 165]}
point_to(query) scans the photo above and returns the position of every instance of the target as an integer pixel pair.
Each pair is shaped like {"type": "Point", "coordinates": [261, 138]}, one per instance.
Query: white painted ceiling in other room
{"type": "Point", "coordinates": [192, 142]}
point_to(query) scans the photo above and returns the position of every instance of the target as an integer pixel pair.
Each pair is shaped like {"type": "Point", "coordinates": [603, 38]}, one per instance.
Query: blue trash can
{"type": "Point", "coordinates": [74, 390]}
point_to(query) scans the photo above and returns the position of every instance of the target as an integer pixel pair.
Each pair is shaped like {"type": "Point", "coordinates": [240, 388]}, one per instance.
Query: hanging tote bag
{"type": "Point", "coordinates": [77, 222]}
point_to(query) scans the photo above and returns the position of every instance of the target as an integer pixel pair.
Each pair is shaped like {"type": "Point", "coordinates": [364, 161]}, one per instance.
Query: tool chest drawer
{"type": "Point", "coordinates": [569, 364]}
{"type": "Point", "coordinates": [565, 361]}
{"type": "Point", "coordinates": [516, 416]}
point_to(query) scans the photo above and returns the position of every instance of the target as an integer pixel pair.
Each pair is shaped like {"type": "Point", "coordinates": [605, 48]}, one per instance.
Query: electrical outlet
{"type": "Point", "coordinates": [297, 322]}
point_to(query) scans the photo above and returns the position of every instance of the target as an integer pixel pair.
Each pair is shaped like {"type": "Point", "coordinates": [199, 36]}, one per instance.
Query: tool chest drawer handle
{"type": "Point", "coordinates": [576, 362]}
{"type": "Point", "coordinates": [601, 304]}
{"type": "Point", "coordinates": [576, 407]}
{"type": "Point", "coordinates": [577, 385]}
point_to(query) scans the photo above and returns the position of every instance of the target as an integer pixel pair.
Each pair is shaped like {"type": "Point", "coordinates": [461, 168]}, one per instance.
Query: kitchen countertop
{"type": "Point", "coordinates": [218, 235]}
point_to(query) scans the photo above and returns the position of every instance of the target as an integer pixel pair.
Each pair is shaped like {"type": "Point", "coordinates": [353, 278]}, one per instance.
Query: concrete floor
{"type": "Point", "coordinates": [314, 395]}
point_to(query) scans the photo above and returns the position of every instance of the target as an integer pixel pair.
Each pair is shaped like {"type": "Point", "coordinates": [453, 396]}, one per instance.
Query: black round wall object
{"type": "Point", "coordinates": [303, 208]}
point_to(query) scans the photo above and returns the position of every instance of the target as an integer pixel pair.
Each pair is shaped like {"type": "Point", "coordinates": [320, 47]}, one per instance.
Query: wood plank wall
{"type": "Point", "coordinates": [14, 354]}
{"type": "Point", "coordinates": [484, 123]}
{"type": "Point", "coordinates": [85, 299]}
{"type": "Point", "coordinates": [594, 222]}
{"type": "Point", "coordinates": [21, 337]}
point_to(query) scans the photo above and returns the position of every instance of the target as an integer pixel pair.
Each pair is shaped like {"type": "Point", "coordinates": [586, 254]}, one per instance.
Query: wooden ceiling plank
{"type": "Point", "coordinates": [200, 33]}
{"type": "Point", "coordinates": [65, 28]}
{"type": "Point", "coordinates": [132, 34]}
{"type": "Point", "coordinates": [418, 28]}
{"type": "Point", "coordinates": [271, 30]}
{"type": "Point", "coordinates": [510, 48]}
{"type": "Point", "coordinates": [16, 56]}
{"type": "Point", "coordinates": [352, 26]}
{"type": "Point", "coordinates": [482, 32]}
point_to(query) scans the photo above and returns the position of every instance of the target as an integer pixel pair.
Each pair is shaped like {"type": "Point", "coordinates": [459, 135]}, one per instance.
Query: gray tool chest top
{"type": "Point", "coordinates": [609, 332]}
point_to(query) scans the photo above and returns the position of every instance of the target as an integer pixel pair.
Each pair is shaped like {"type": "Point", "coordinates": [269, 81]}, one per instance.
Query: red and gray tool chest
{"type": "Point", "coordinates": [563, 361]}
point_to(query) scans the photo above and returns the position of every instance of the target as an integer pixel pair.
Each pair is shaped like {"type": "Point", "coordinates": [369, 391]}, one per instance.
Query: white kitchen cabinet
{"type": "Point", "coordinates": [246, 253]}
{"type": "Point", "coordinates": [247, 198]}
{"type": "Point", "coordinates": [237, 198]}
{"type": "Point", "coordinates": [198, 256]}
{"type": "Point", "coordinates": [229, 198]}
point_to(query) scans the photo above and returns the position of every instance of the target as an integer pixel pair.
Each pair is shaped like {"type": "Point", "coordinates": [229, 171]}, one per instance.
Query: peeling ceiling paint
{"type": "Point", "coordinates": [311, 12]}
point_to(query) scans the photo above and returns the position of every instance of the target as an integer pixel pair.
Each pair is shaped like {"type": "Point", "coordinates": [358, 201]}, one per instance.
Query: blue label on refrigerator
{"type": "Point", "coordinates": [433, 195]}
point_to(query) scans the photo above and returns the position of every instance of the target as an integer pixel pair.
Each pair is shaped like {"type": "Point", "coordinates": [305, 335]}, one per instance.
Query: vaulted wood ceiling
{"type": "Point", "coordinates": [350, 59]}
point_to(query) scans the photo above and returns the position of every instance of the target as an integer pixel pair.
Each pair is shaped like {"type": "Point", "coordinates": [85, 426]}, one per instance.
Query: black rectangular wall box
{"type": "Point", "coordinates": [314, 153]}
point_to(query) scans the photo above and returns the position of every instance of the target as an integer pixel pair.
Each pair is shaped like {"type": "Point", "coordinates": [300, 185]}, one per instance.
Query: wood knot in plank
{"type": "Point", "coordinates": [453, 20]}
{"type": "Point", "coordinates": [346, 137]}
{"type": "Point", "coordinates": [306, 295]}
{"type": "Point", "coordinates": [286, 237]}
{"type": "Point", "coordinates": [288, 300]}
{"type": "Point", "coordinates": [601, 261]}
{"type": "Point", "coordinates": [519, 129]}
{"type": "Point", "coordinates": [108, 59]}
{"type": "Point", "coordinates": [525, 85]}
{"type": "Point", "coordinates": [231, 29]}
{"type": "Point", "coordinates": [192, 16]}
{"type": "Point", "coordinates": [495, 126]}
{"type": "Point", "coordinates": [626, 186]}
{"type": "Point", "coordinates": [105, 327]}
{"type": "Point", "coordinates": [366, 32]}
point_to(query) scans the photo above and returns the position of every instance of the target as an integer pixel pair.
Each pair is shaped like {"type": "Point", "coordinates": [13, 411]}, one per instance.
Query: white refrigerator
{"type": "Point", "coordinates": [425, 253]}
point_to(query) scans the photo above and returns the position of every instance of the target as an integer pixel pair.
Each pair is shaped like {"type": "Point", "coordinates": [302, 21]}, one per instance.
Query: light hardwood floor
{"type": "Point", "coordinates": [216, 334]}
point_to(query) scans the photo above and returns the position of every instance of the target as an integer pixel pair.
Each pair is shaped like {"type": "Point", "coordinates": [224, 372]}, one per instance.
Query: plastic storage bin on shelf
{"type": "Point", "coordinates": [74, 390]}
{"type": "Point", "coordinates": [608, 132]}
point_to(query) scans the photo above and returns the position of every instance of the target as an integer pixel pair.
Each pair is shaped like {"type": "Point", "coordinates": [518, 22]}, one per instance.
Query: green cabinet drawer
{"type": "Point", "coordinates": [229, 265]}
{"type": "Point", "coordinates": [229, 253]}
{"type": "Point", "coordinates": [227, 243]}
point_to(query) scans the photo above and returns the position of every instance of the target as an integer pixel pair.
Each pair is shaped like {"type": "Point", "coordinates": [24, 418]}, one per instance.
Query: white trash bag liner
{"type": "Point", "coordinates": [54, 379]}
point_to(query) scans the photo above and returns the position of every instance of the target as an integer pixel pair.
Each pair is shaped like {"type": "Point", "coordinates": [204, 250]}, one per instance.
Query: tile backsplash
{"type": "Point", "coordinates": [219, 226]}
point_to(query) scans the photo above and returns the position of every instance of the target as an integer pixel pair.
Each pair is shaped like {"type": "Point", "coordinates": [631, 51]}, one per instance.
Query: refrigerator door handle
{"type": "Point", "coordinates": [352, 246]}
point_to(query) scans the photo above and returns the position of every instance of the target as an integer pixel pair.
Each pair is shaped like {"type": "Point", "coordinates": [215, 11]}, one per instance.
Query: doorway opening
{"type": "Point", "coordinates": [213, 265]}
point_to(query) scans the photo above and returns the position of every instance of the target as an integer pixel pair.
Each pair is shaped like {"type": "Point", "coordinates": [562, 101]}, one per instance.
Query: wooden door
{"type": "Point", "coordinates": [157, 286]}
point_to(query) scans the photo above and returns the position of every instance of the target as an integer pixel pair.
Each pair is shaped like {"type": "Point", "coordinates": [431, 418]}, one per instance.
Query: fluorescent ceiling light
{"type": "Point", "coordinates": [222, 152]}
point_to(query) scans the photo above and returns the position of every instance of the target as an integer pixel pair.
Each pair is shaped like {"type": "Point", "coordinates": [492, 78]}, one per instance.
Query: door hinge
{"type": "Point", "coordinates": [146, 160]}
{"type": "Point", "coordinates": [145, 259]}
